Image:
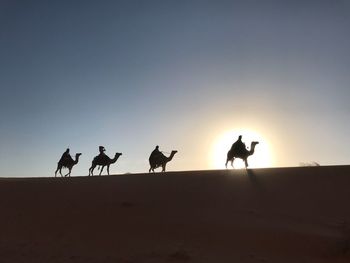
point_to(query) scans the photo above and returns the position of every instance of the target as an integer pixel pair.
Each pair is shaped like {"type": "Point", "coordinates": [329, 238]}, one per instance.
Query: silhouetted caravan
{"type": "Point", "coordinates": [160, 160]}
{"type": "Point", "coordinates": [103, 160]}
{"type": "Point", "coordinates": [67, 161]}
{"type": "Point", "coordinates": [240, 153]}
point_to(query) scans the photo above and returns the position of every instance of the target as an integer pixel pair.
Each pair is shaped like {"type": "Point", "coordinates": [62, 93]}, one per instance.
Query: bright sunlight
{"type": "Point", "coordinates": [261, 157]}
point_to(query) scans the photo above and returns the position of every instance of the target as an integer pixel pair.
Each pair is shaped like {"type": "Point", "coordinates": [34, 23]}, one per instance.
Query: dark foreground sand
{"type": "Point", "coordinates": [266, 215]}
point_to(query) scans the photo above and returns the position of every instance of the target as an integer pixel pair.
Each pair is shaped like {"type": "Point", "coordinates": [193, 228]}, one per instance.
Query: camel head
{"type": "Point", "coordinates": [76, 158]}
{"type": "Point", "coordinates": [172, 154]}
{"type": "Point", "coordinates": [116, 157]}
{"type": "Point", "coordinates": [252, 148]}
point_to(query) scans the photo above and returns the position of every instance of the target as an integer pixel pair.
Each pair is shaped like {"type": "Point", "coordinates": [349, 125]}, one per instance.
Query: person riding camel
{"type": "Point", "coordinates": [101, 149]}
{"type": "Point", "coordinates": [238, 146]}
{"type": "Point", "coordinates": [66, 156]}
{"type": "Point", "coordinates": [102, 154]}
{"type": "Point", "coordinates": [155, 152]}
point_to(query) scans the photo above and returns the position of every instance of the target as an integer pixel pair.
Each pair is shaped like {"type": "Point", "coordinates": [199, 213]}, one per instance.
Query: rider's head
{"type": "Point", "coordinates": [240, 137]}
{"type": "Point", "coordinates": [101, 149]}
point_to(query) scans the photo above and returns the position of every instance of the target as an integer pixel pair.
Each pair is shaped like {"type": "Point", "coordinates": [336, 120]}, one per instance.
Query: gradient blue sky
{"type": "Point", "coordinates": [133, 74]}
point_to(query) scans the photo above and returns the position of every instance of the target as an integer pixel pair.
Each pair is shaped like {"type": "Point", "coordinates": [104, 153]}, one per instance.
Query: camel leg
{"type": "Point", "coordinates": [163, 168]}
{"type": "Point", "coordinates": [91, 169]}
{"type": "Point", "coordinates": [59, 167]}
{"type": "Point", "coordinates": [108, 169]}
{"type": "Point", "coordinates": [246, 163]}
{"type": "Point", "coordinates": [56, 171]}
{"type": "Point", "coordinates": [101, 170]}
{"type": "Point", "coordinates": [152, 168]}
{"type": "Point", "coordinates": [69, 171]}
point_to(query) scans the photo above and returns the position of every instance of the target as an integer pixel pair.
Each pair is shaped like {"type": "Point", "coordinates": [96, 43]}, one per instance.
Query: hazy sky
{"type": "Point", "coordinates": [133, 74]}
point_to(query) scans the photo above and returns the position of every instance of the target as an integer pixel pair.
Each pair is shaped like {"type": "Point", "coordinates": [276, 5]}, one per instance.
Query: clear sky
{"type": "Point", "coordinates": [133, 74]}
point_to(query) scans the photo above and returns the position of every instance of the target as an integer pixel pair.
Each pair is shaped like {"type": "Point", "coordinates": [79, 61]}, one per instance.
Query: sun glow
{"type": "Point", "coordinates": [222, 144]}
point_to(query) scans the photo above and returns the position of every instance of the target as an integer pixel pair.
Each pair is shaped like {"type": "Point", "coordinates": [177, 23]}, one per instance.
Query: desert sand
{"type": "Point", "coordinates": [261, 215]}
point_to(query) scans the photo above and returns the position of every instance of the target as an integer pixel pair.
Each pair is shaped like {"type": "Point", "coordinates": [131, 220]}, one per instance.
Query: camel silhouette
{"type": "Point", "coordinates": [103, 160]}
{"type": "Point", "coordinates": [244, 154]}
{"type": "Point", "coordinates": [67, 163]}
{"type": "Point", "coordinates": [160, 160]}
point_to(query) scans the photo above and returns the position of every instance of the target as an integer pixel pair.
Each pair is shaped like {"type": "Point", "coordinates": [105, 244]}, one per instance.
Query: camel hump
{"type": "Point", "coordinates": [65, 159]}
{"type": "Point", "coordinates": [156, 155]}
{"type": "Point", "coordinates": [156, 158]}
{"type": "Point", "coordinates": [101, 158]}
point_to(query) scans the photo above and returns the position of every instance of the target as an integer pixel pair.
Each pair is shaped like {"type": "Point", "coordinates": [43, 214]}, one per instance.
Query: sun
{"type": "Point", "coordinates": [221, 145]}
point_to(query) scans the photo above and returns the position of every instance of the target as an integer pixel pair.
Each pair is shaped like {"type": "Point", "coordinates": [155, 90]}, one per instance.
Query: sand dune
{"type": "Point", "coordinates": [263, 215]}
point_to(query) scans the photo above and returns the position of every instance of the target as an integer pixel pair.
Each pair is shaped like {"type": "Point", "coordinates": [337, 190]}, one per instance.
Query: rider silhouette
{"type": "Point", "coordinates": [66, 156]}
{"type": "Point", "coordinates": [102, 154]}
{"type": "Point", "coordinates": [101, 149]}
{"type": "Point", "coordinates": [155, 152]}
{"type": "Point", "coordinates": [238, 146]}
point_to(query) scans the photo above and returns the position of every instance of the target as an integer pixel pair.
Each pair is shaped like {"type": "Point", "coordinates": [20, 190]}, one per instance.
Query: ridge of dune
{"type": "Point", "coordinates": [296, 214]}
